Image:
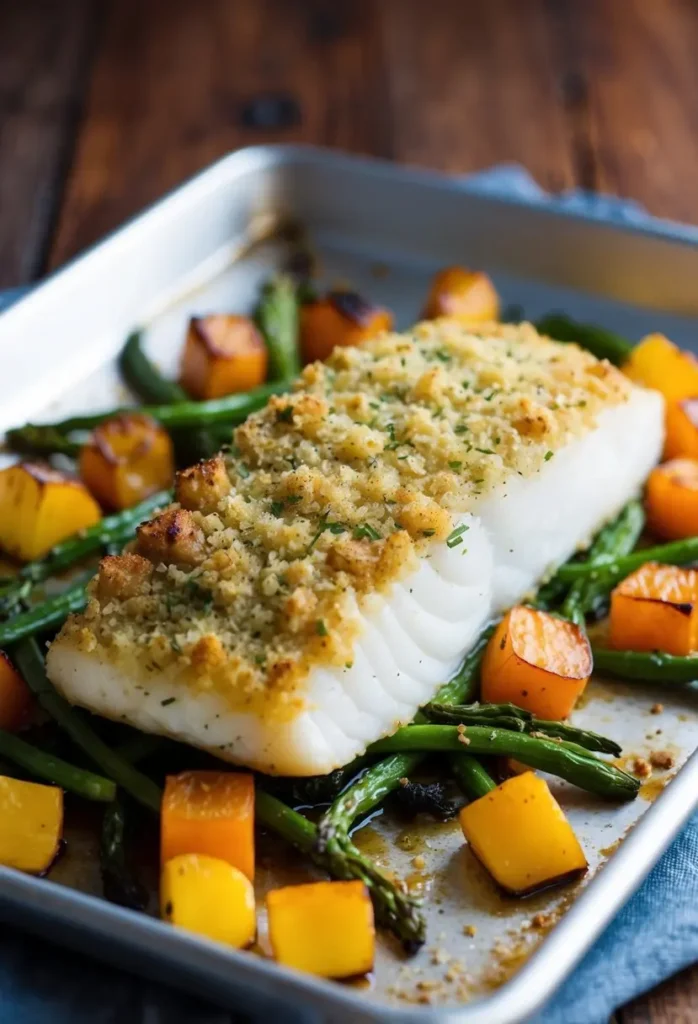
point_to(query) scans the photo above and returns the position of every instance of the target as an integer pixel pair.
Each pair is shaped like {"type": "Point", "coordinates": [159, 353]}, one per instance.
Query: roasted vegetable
{"type": "Point", "coordinates": [52, 769]}
{"type": "Point", "coordinates": [508, 716]}
{"type": "Point", "coordinates": [229, 410]}
{"type": "Point", "coordinates": [671, 499]}
{"type": "Point", "coordinates": [277, 317]}
{"type": "Point", "coordinates": [681, 420]}
{"type": "Point", "coordinates": [210, 897]}
{"type": "Point", "coordinates": [40, 507]}
{"type": "Point", "coordinates": [211, 813]}
{"type": "Point", "coordinates": [146, 381]}
{"type": "Point", "coordinates": [223, 355]}
{"type": "Point", "coordinates": [119, 883]}
{"type": "Point", "coordinates": [656, 609]}
{"type": "Point", "coordinates": [324, 928]}
{"type": "Point", "coordinates": [116, 529]}
{"type": "Point", "coordinates": [473, 779]}
{"type": "Point", "coordinates": [127, 460]}
{"type": "Point", "coordinates": [618, 538]}
{"type": "Point", "coordinates": [467, 295]}
{"type": "Point", "coordinates": [558, 757]}
{"type": "Point", "coordinates": [520, 834]}
{"type": "Point", "coordinates": [394, 908]}
{"type": "Point", "coordinates": [537, 661]}
{"type": "Point", "coordinates": [32, 824]}
{"type": "Point", "coordinates": [665, 669]}
{"type": "Point", "coordinates": [51, 612]}
{"type": "Point", "coordinates": [657, 363]}
{"type": "Point", "coordinates": [15, 697]}
{"type": "Point", "coordinates": [342, 318]}
{"type": "Point", "coordinates": [601, 343]}
{"type": "Point", "coordinates": [678, 552]}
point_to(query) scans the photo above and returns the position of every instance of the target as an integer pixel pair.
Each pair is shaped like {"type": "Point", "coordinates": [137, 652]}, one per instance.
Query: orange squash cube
{"type": "Point", "coordinates": [657, 363]}
{"type": "Point", "coordinates": [519, 832]}
{"type": "Point", "coordinates": [467, 295]}
{"type": "Point", "coordinates": [536, 661]}
{"type": "Point", "coordinates": [211, 813]}
{"type": "Point", "coordinates": [15, 697]}
{"type": "Point", "coordinates": [40, 507]}
{"type": "Point", "coordinates": [671, 499]}
{"type": "Point", "coordinates": [324, 928]}
{"type": "Point", "coordinates": [32, 825]}
{"type": "Point", "coordinates": [342, 318]}
{"type": "Point", "coordinates": [210, 897]}
{"type": "Point", "coordinates": [127, 459]}
{"type": "Point", "coordinates": [223, 354]}
{"type": "Point", "coordinates": [681, 419]}
{"type": "Point", "coordinates": [656, 609]}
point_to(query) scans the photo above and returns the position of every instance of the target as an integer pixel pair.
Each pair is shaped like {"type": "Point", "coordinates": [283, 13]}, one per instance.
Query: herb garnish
{"type": "Point", "coordinates": [455, 537]}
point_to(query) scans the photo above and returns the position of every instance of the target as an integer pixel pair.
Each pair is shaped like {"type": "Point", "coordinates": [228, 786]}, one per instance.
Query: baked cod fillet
{"type": "Point", "coordinates": [314, 586]}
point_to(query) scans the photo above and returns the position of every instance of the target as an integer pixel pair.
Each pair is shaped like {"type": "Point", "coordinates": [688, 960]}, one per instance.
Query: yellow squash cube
{"type": "Point", "coordinates": [127, 459]}
{"type": "Point", "coordinates": [324, 928]}
{"type": "Point", "coordinates": [520, 834]}
{"type": "Point", "coordinates": [657, 363]}
{"type": "Point", "coordinates": [40, 507]}
{"type": "Point", "coordinates": [31, 823]}
{"type": "Point", "coordinates": [210, 897]}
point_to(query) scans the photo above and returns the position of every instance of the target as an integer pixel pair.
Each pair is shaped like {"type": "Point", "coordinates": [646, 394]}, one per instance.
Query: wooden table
{"type": "Point", "coordinates": [106, 105]}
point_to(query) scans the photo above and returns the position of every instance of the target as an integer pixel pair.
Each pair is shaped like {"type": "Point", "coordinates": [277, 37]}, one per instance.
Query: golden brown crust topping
{"type": "Point", "coordinates": [202, 486]}
{"type": "Point", "coordinates": [123, 576]}
{"type": "Point", "coordinates": [172, 538]}
{"type": "Point", "coordinates": [333, 492]}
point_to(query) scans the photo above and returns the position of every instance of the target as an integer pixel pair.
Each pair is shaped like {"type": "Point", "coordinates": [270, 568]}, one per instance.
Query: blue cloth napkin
{"type": "Point", "coordinates": [653, 937]}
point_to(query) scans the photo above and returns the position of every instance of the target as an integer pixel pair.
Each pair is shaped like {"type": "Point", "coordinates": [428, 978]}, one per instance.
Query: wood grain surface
{"type": "Point", "coordinates": [106, 105]}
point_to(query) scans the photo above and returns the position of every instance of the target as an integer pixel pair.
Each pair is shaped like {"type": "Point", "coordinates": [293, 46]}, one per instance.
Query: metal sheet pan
{"type": "Point", "coordinates": [385, 230]}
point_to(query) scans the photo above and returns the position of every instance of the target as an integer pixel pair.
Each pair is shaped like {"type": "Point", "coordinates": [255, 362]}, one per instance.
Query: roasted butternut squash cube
{"type": "Point", "coordinates": [31, 825]}
{"type": "Point", "coordinates": [681, 440]}
{"type": "Point", "coordinates": [656, 609]}
{"type": "Point", "coordinates": [15, 697]}
{"type": "Point", "coordinates": [341, 318]}
{"type": "Point", "coordinates": [520, 834]}
{"type": "Point", "coordinates": [210, 897]}
{"type": "Point", "coordinates": [657, 363]}
{"type": "Point", "coordinates": [671, 499]}
{"type": "Point", "coordinates": [222, 355]}
{"type": "Point", "coordinates": [211, 813]}
{"type": "Point", "coordinates": [466, 295]}
{"type": "Point", "coordinates": [536, 661]}
{"type": "Point", "coordinates": [127, 459]}
{"type": "Point", "coordinates": [40, 507]}
{"type": "Point", "coordinates": [324, 928]}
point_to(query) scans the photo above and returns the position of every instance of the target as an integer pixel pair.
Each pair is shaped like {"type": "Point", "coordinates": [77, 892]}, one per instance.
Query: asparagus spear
{"type": "Point", "coordinates": [277, 319]}
{"type": "Point", "coordinates": [146, 381]}
{"type": "Point", "coordinates": [508, 716]}
{"type": "Point", "coordinates": [610, 571]}
{"type": "Point", "coordinates": [230, 409]}
{"type": "Point", "coordinates": [39, 440]}
{"type": "Point", "coordinates": [615, 540]}
{"type": "Point", "coordinates": [115, 529]}
{"type": "Point", "coordinates": [472, 778]}
{"type": "Point", "coordinates": [394, 909]}
{"type": "Point", "coordinates": [119, 884]}
{"type": "Point", "coordinates": [27, 657]}
{"type": "Point", "coordinates": [597, 340]}
{"type": "Point", "coordinates": [49, 613]}
{"type": "Point", "coordinates": [654, 667]}
{"type": "Point", "coordinates": [54, 770]}
{"type": "Point", "coordinates": [566, 760]}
